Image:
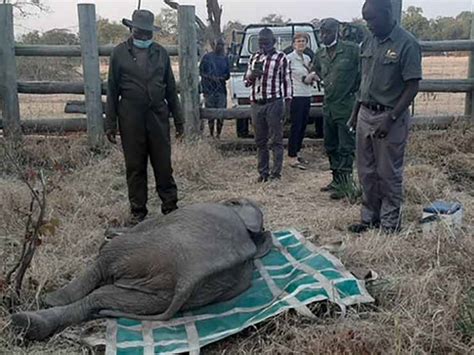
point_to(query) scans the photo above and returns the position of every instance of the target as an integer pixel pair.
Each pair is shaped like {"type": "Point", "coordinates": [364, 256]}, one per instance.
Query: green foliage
{"type": "Point", "coordinates": [111, 32]}
{"type": "Point", "coordinates": [441, 28]}
{"type": "Point", "coordinates": [43, 68]}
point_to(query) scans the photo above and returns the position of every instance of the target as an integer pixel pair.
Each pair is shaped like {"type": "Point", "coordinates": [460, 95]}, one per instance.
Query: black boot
{"type": "Point", "coordinates": [333, 184]}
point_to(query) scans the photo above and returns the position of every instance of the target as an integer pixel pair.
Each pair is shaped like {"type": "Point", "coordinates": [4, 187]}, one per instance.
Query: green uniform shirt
{"type": "Point", "coordinates": [149, 86]}
{"type": "Point", "coordinates": [341, 77]}
{"type": "Point", "coordinates": [387, 65]}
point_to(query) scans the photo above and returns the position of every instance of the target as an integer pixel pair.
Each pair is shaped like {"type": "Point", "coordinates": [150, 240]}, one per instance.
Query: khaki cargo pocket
{"type": "Point", "coordinates": [399, 131]}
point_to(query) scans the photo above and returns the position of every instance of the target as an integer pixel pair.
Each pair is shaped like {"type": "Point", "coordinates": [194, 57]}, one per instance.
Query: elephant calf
{"type": "Point", "coordinates": [197, 255]}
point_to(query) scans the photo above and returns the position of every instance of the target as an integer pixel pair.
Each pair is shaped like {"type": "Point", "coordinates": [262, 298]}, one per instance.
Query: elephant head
{"type": "Point", "coordinates": [252, 216]}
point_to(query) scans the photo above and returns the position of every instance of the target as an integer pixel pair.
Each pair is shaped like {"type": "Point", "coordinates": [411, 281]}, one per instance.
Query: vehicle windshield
{"type": "Point", "coordinates": [284, 41]}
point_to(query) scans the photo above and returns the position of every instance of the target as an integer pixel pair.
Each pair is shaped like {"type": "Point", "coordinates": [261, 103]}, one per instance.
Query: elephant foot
{"type": "Point", "coordinates": [33, 325]}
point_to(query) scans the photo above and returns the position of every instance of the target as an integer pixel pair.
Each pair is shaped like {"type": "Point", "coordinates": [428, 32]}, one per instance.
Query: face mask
{"type": "Point", "coordinates": [142, 44]}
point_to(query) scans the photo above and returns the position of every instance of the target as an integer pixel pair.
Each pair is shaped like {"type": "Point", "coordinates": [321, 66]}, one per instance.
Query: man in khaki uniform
{"type": "Point", "coordinates": [391, 71]}
{"type": "Point", "coordinates": [337, 64]}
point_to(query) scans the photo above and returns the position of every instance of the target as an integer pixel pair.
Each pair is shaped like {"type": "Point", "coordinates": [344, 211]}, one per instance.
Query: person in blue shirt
{"type": "Point", "coordinates": [215, 71]}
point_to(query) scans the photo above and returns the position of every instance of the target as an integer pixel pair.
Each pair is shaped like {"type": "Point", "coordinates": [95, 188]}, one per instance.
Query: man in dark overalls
{"type": "Point", "coordinates": [391, 71]}
{"type": "Point", "coordinates": [141, 94]}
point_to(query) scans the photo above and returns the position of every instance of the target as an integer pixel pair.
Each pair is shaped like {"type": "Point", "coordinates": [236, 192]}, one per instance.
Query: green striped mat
{"type": "Point", "coordinates": [294, 274]}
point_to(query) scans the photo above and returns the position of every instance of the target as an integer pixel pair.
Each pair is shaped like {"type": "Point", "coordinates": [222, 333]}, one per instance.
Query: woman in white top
{"type": "Point", "coordinates": [300, 64]}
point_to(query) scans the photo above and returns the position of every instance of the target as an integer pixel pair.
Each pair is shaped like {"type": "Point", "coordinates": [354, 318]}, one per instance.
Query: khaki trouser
{"type": "Point", "coordinates": [380, 165]}
{"type": "Point", "coordinates": [267, 123]}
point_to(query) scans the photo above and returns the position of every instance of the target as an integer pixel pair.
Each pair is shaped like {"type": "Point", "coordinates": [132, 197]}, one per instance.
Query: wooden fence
{"type": "Point", "coordinates": [187, 51]}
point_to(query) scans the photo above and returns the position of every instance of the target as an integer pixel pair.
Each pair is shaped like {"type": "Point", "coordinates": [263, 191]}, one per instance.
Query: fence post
{"type": "Point", "coordinates": [397, 10]}
{"type": "Point", "coordinates": [91, 72]}
{"type": "Point", "coordinates": [8, 80]}
{"type": "Point", "coordinates": [469, 107]}
{"type": "Point", "coordinates": [188, 69]}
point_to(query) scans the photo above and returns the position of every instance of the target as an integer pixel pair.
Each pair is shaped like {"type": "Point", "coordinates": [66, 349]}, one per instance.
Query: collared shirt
{"type": "Point", "coordinates": [387, 65]}
{"type": "Point", "coordinates": [276, 79]}
{"type": "Point", "coordinates": [214, 65]}
{"type": "Point", "coordinates": [150, 87]}
{"type": "Point", "coordinates": [300, 66]}
{"type": "Point", "coordinates": [341, 77]}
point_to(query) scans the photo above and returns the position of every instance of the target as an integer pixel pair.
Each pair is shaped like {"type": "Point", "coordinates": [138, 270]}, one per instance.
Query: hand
{"type": "Point", "coordinates": [386, 122]}
{"type": "Point", "coordinates": [111, 135]}
{"type": "Point", "coordinates": [311, 78]}
{"type": "Point", "coordinates": [179, 132]}
{"type": "Point", "coordinates": [352, 123]}
{"type": "Point", "coordinates": [255, 74]}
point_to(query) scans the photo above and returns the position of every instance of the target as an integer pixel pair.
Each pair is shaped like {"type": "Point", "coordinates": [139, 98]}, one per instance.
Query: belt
{"type": "Point", "coordinates": [266, 101]}
{"type": "Point", "coordinates": [376, 107]}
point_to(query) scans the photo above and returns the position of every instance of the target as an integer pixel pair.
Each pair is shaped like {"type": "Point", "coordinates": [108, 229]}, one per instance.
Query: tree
{"type": "Point", "coordinates": [414, 21]}
{"type": "Point", "coordinates": [230, 27]}
{"type": "Point", "coordinates": [111, 32]}
{"type": "Point", "coordinates": [275, 19]}
{"type": "Point", "coordinates": [167, 20]}
{"type": "Point", "coordinates": [25, 8]}
{"type": "Point", "coordinates": [49, 68]}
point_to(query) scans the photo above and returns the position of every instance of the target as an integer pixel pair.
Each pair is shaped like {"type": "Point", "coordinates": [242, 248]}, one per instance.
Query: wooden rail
{"type": "Point", "coordinates": [28, 50]}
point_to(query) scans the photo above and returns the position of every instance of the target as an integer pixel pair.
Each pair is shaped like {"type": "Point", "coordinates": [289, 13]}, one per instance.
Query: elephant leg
{"type": "Point", "coordinates": [77, 288]}
{"type": "Point", "coordinates": [106, 299]}
{"type": "Point", "coordinates": [175, 299]}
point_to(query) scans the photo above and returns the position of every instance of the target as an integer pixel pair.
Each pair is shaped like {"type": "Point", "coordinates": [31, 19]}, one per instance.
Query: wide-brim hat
{"type": "Point", "coordinates": [143, 20]}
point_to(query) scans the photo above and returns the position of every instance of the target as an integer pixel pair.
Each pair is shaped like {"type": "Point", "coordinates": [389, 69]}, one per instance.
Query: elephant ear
{"type": "Point", "coordinates": [249, 212]}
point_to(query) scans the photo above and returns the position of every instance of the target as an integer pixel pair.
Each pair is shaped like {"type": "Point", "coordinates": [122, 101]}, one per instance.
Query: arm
{"type": "Point", "coordinates": [247, 77]}
{"type": "Point", "coordinates": [173, 99]}
{"type": "Point", "coordinates": [411, 72]}
{"type": "Point", "coordinates": [287, 80]}
{"type": "Point", "coordinates": [113, 93]}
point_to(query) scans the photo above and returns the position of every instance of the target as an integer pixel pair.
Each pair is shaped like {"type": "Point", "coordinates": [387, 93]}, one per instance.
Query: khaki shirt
{"type": "Point", "coordinates": [341, 77]}
{"type": "Point", "coordinates": [149, 87]}
{"type": "Point", "coordinates": [387, 65]}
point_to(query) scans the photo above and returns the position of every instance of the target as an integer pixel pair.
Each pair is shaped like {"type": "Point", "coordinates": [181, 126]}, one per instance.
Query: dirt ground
{"type": "Point", "coordinates": [424, 297]}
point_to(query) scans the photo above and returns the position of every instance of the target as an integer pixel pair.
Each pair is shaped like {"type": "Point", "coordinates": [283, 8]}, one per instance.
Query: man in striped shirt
{"type": "Point", "coordinates": [269, 77]}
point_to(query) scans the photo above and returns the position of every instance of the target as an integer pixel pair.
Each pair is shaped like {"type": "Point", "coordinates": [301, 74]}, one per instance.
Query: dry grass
{"type": "Point", "coordinates": [423, 299]}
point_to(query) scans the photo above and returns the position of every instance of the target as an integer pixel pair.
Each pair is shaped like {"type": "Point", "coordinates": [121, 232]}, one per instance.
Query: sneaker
{"type": "Point", "coordinates": [134, 219]}
{"type": "Point", "coordinates": [337, 195]}
{"type": "Point", "coordinates": [362, 227]}
{"type": "Point", "coordinates": [262, 179]}
{"type": "Point", "coordinates": [303, 161]}
{"type": "Point", "coordinates": [274, 177]}
{"type": "Point", "coordinates": [298, 165]}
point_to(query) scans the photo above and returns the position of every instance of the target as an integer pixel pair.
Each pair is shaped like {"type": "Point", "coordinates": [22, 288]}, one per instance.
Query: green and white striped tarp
{"type": "Point", "coordinates": [294, 274]}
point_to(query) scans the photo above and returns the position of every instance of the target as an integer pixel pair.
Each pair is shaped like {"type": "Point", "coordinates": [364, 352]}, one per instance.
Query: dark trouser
{"type": "Point", "coordinates": [216, 100]}
{"type": "Point", "coordinates": [380, 167]}
{"type": "Point", "coordinates": [339, 143]}
{"type": "Point", "coordinates": [299, 119]}
{"type": "Point", "coordinates": [146, 133]}
{"type": "Point", "coordinates": [242, 127]}
{"type": "Point", "coordinates": [267, 122]}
